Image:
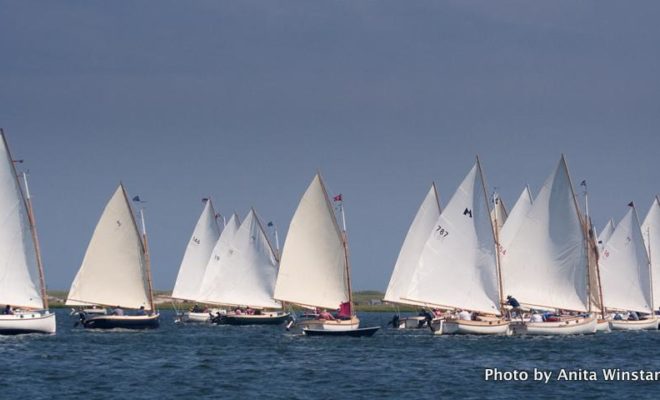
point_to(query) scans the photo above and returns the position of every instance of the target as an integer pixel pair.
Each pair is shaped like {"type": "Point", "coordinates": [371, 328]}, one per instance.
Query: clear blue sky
{"type": "Point", "coordinates": [244, 100]}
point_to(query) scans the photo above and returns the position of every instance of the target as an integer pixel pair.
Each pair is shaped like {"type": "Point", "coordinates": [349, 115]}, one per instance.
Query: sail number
{"type": "Point", "coordinates": [441, 232]}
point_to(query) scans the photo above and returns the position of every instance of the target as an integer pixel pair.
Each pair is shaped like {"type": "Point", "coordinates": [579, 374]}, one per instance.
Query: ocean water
{"type": "Point", "coordinates": [227, 362]}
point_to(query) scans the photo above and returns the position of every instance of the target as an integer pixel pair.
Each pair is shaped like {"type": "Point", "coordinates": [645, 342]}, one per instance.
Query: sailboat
{"type": "Point", "coordinates": [651, 232]}
{"type": "Point", "coordinates": [458, 266]}
{"type": "Point", "coordinates": [545, 263]}
{"type": "Point", "coordinates": [22, 284]}
{"type": "Point", "coordinates": [195, 259]}
{"type": "Point", "coordinates": [246, 278]}
{"type": "Point", "coordinates": [314, 268]}
{"type": "Point", "coordinates": [115, 271]}
{"type": "Point", "coordinates": [407, 262]}
{"type": "Point", "coordinates": [626, 274]}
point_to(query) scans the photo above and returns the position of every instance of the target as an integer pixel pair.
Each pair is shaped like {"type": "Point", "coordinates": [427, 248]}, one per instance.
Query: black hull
{"type": "Point", "coordinates": [116, 322]}
{"type": "Point", "coordinates": [361, 332]}
{"type": "Point", "coordinates": [251, 320]}
{"type": "Point", "coordinates": [13, 332]}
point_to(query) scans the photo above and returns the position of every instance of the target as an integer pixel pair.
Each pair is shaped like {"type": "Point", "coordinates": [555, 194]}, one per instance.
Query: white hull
{"type": "Point", "coordinates": [458, 327]}
{"type": "Point", "coordinates": [30, 322]}
{"type": "Point", "coordinates": [411, 322]}
{"type": "Point", "coordinates": [641, 325]}
{"type": "Point", "coordinates": [332, 325]}
{"type": "Point", "coordinates": [603, 325]}
{"type": "Point", "coordinates": [576, 326]}
{"type": "Point", "coordinates": [196, 317]}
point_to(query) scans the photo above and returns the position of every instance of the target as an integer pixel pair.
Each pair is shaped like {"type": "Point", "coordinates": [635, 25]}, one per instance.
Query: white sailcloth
{"type": "Point", "coordinates": [605, 234]}
{"type": "Point", "coordinates": [418, 233]}
{"type": "Point", "coordinates": [515, 218]}
{"type": "Point", "coordinates": [313, 265]}
{"type": "Point", "coordinates": [651, 232]}
{"type": "Point", "coordinates": [197, 255]}
{"type": "Point", "coordinates": [624, 268]}
{"type": "Point", "coordinates": [19, 275]}
{"type": "Point", "coordinates": [498, 214]}
{"type": "Point", "coordinates": [545, 263]}
{"type": "Point", "coordinates": [248, 269]}
{"type": "Point", "coordinates": [457, 267]}
{"type": "Point", "coordinates": [208, 288]}
{"type": "Point", "coordinates": [113, 271]}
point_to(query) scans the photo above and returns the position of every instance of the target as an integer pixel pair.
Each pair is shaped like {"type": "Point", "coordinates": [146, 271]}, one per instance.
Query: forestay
{"type": "Point", "coordinates": [19, 275]}
{"type": "Point", "coordinates": [457, 267]}
{"type": "Point", "coordinates": [313, 265]}
{"type": "Point", "coordinates": [247, 268]}
{"type": "Point", "coordinates": [113, 271]}
{"type": "Point", "coordinates": [418, 233]}
{"type": "Point", "coordinates": [197, 255]}
{"type": "Point", "coordinates": [209, 287]}
{"type": "Point", "coordinates": [545, 262]}
{"type": "Point", "coordinates": [651, 233]}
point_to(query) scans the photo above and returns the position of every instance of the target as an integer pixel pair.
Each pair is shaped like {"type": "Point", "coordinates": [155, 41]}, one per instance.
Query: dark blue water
{"type": "Point", "coordinates": [195, 361]}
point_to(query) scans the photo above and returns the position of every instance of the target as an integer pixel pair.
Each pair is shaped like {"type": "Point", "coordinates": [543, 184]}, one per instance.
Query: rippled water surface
{"type": "Point", "coordinates": [226, 362]}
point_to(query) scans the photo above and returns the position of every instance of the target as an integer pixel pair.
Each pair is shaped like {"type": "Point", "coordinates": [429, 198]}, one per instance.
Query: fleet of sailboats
{"type": "Point", "coordinates": [462, 264]}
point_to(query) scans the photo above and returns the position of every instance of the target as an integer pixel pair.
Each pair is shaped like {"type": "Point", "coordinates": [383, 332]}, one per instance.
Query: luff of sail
{"type": "Point", "coordinates": [651, 233]}
{"type": "Point", "coordinates": [19, 282]}
{"type": "Point", "coordinates": [113, 271]}
{"type": "Point", "coordinates": [624, 268]}
{"type": "Point", "coordinates": [209, 289]}
{"type": "Point", "coordinates": [248, 268]}
{"type": "Point", "coordinates": [457, 267]}
{"type": "Point", "coordinates": [197, 255]}
{"type": "Point", "coordinates": [606, 233]}
{"type": "Point", "coordinates": [545, 263]}
{"type": "Point", "coordinates": [418, 233]}
{"type": "Point", "coordinates": [313, 264]}
{"type": "Point", "coordinates": [515, 218]}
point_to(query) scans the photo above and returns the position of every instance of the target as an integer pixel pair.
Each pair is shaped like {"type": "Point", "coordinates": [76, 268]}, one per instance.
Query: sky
{"type": "Point", "coordinates": [243, 101]}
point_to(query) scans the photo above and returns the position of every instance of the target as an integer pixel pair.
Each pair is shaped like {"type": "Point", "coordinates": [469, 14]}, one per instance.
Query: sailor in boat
{"type": "Point", "coordinates": [8, 310]}
{"type": "Point", "coordinates": [633, 316]}
{"type": "Point", "coordinates": [515, 307]}
{"type": "Point", "coordinates": [464, 315]}
{"type": "Point", "coordinates": [118, 311]}
{"type": "Point", "coordinates": [141, 311]}
{"type": "Point", "coordinates": [325, 315]}
{"type": "Point", "coordinates": [536, 317]}
{"type": "Point", "coordinates": [618, 316]}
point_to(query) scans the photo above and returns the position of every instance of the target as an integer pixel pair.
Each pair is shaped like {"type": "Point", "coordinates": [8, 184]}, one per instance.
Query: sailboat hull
{"type": "Point", "coordinates": [330, 325]}
{"type": "Point", "coordinates": [199, 317]}
{"type": "Point", "coordinates": [641, 325]}
{"type": "Point", "coordinates": [458, 327]}
{"type": "Point", "coordinates": [265, 319]}
{"type": "Point", "coordinates": [21, 323]}
{"type": "Point", "coordinates": [575, 326]}
{"type": "Point", "coordinates": [603, 325]}
{"type": "Point", "coordinates": [358, 332]}
{"type": "Point", "coordinates": [122, 322]}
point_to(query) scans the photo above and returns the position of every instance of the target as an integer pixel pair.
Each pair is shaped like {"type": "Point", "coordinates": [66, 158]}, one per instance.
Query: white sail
{"type": "Point", "coordinates": [313, 265]}
{"type": "Point", "coordinates": [113, 271]}
{"type": "Point", "coordinates": [651, 233]}
{"type": "Point", "coordinates": [499, 213]}
{"type": "Point", "coordinates": [197, 255]}
{"type": "Point", "coordinates": [624, 268]}
{"type": "Point", "coordinates": [605, 234]}
{"type": "Point", "coordinates": [248, 268]}
{"type": "Point", "coordinates": [457, 267]}
{"type": "Point", "coordinates": [208, 288]}
{"type": "Point", "coordinates": [514, 219]}
{"type": "Point", "coordinates": [545, 262]}
{"type": "Point", "coordinates": [418, 233]}
{"type": "Point", "coordinates": [19, 275]}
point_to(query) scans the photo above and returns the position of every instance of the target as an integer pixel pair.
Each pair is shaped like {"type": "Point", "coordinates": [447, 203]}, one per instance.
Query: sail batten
{"type": "Point", "coordinates": [313, 264]}
{"type": "Point", "coordinates": [19, 283]}
{"type": "Point", "coordinates": [457, 267]}
{"type": "Point", "coordinates": [196, 258]}
{"type": "Point", "coordinates": [544, 261]}
{"type": "Point", "coordinates": [418, 233]}
{"type": "Point", "coordinates": [113, 271]}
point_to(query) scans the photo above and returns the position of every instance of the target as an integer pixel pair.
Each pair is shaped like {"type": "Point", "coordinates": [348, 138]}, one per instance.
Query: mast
{"type": "Point", "coordinates": [27, 202]}
{"type": "Point", "coordinates": [591, 247]}
{"type": "Point", "coordinates": [147, 257]}
{"type": "Point", "coordinates": [495, 230]}
{"type": "Point", "coordinates": [35, 239]}
{"type": "Point", "coordinates": [648, 234]}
